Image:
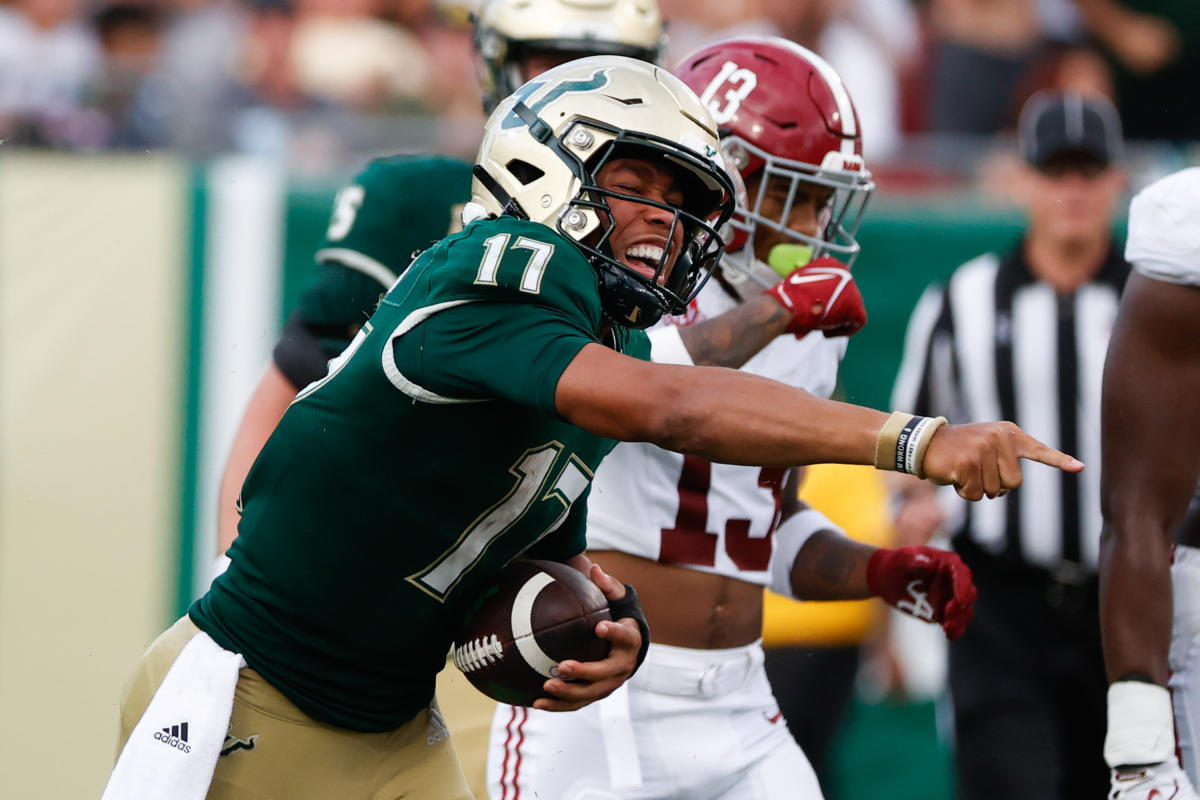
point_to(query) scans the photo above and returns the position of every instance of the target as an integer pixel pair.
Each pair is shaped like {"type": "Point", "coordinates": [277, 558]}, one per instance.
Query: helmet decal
{"type": "Point", "coordinates": [741, 83]}
{"type": "Point", "coordinates": [598, 80]}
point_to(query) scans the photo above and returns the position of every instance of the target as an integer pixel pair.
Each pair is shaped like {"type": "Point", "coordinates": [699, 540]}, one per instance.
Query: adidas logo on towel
{"type": "Point", "coordinates": [175, 736]}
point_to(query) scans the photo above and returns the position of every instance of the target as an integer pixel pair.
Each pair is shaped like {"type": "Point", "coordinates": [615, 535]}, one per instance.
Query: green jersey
{"type": "Point", "coordinates": [429, 457]}
{"type": "Point", "coordinates": [393, 209]}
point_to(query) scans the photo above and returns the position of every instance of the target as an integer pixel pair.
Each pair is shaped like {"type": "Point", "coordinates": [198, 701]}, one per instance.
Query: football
{"type": "Point", "coordinates": [533, 615]}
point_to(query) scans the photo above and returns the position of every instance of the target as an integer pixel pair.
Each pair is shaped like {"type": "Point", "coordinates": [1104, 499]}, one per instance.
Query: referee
{"type": "Point", "coordinates": [1022, 336]}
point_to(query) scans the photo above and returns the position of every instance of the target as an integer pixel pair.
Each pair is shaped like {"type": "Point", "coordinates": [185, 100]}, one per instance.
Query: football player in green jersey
{"type": "Point", "coordinates": [460, 429]}
{"type": "Point", "coordinates": [403, 204]}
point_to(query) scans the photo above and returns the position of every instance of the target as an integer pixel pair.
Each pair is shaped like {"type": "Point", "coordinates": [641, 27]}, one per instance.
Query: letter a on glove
{"type": "Point", "coordinates": [926, 583]}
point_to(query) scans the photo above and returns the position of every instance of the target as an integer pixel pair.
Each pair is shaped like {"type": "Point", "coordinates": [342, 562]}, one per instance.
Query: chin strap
{"type": "Point", "coordinates": [508, 204]}
{"type": "Point", "coordinates": [624, 300]}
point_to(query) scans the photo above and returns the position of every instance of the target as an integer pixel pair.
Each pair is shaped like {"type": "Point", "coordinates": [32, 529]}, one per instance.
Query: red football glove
{"type": "Point", "coordinates": [822, 296]}
{"type": "Point", "coordinates": [924, 582]}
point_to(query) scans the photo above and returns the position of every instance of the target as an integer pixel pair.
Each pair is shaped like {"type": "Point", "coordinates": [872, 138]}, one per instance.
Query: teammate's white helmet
{"type": "Point", "coordinates": [544, 146]}
{"type": "Point", "coordinates": [507, 30]}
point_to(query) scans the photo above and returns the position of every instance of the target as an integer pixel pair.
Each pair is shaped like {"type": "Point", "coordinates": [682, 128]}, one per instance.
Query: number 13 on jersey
{"type": "Point", "coordinates": [690, 542]}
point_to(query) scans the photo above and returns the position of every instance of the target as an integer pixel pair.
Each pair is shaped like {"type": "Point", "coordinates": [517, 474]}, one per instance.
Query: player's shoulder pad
{"type": "Point", "coordinates": [510, 260]}
{"type": "Point", "coordinates": [1164, 237]}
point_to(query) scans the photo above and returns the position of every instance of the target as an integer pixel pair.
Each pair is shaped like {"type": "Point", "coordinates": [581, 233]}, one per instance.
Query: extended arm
{"type": "Point", "coordinates": [1151, 455]}
{"type": "Point", "coordinates": [732, 417]}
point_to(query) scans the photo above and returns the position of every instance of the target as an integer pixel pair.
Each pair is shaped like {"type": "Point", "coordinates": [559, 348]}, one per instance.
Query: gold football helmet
{"type": "Point", "coordinates": [544, 146]}
{"type": "Point", "coordinates": [507, 31]}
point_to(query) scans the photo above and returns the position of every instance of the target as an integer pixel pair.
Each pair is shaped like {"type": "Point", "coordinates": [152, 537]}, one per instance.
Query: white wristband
{"type": "Point", "coordinates": [1141, 728]}
{"type": "Point", "coordinates": [790, 537]}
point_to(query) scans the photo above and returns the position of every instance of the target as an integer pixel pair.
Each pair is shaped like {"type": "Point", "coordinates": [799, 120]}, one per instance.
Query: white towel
{"type": "Point", "coordinates": [173, 750]}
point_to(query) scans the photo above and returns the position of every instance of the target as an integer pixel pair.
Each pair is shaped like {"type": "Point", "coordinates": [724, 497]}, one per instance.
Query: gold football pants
{"type": "Point", "coordinates": [274, 751]}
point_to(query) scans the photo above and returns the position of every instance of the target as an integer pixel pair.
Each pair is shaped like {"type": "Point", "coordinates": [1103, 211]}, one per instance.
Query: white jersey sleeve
{"type": "Point", "coordinates": [667, 347]}
{"type": "Point", "coordinates": [1164, 229]}
{"type": "Point", "coordinates": [689, 512]}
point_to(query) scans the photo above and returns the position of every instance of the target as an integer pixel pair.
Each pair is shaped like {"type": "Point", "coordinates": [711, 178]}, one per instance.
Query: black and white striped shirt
{"type": "Point", "coordinates": [996, 343]}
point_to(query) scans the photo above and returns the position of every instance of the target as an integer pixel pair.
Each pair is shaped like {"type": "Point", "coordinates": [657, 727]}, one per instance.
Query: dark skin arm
{"type": "Point", "coordinates": [1151, 461]}
{"type": "Point", "coordinates": [736, 418]}
{"type": "Point", "coordinates": [830, 566]}
{"type": "Point", "coordinates": [733, 338]}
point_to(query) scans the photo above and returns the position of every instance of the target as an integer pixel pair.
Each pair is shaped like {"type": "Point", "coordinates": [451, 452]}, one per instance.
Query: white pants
{"type": "Point", "coordinates": [690, 725]}
{"type": "Point", "coordinates": [1185, 656]}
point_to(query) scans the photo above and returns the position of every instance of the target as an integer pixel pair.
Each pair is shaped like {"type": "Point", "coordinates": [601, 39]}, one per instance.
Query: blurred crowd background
{"type": "Point", "coordinates": [320, 83]}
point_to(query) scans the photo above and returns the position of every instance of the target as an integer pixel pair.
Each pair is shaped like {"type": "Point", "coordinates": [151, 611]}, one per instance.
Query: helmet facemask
{"type": "Point", "coordinates": [788, 120]}
{"type": "Point", "coordinates": [543, 152]}
{"type": "Point", "coordinates": [629, 297]}
{"type": "Point", "coordinates": [849, 186]}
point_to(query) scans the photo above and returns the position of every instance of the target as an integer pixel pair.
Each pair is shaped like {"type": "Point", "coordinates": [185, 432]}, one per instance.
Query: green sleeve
{"type": "Point", "coordinates": [502, 309]}
{"type": "Point", "coordinates": [484, 350]}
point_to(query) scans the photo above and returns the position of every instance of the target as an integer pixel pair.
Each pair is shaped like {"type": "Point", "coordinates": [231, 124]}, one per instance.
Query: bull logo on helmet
{"type": "Point", "coordinates": [598, 80]}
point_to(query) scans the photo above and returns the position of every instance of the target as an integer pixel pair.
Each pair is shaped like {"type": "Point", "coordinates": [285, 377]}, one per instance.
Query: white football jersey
{"type": "Point", "coordinates": [683, 510]}
{"type": "Point", "coordinates": [1164, 229]}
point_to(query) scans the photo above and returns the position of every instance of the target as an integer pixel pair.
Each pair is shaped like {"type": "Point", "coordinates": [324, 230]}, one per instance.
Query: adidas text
{"type": "Point", "coordinates": [175, 736]}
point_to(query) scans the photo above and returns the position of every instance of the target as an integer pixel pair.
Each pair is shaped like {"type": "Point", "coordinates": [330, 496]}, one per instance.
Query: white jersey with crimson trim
{"type": "Point", "coordinates": [1164, 229]}
{"type": "Point", "coordinates": [688, 512]}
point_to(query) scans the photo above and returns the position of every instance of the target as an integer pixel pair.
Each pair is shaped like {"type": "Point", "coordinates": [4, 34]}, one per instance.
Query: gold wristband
{"type": "Point", "coordinates": [901, 443]}
{"type": "Point", "coordinates": [885, 440]}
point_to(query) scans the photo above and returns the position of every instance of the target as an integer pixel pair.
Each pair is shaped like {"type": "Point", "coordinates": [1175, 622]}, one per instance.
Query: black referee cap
{"type": "Point", "coordinates": [1055, 123]}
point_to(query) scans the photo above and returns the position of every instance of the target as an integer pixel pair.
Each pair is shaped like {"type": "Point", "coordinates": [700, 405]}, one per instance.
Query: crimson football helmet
{"type": "Point", "coordinates": [783, 110]}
